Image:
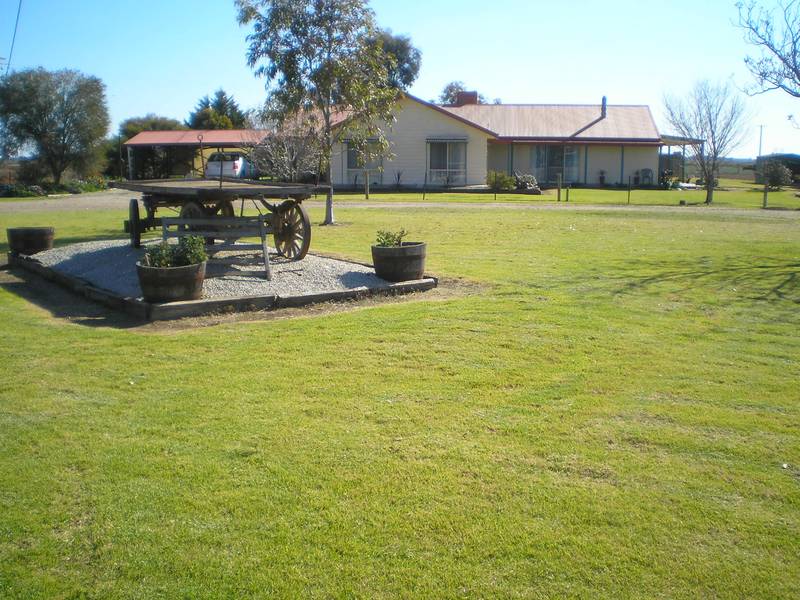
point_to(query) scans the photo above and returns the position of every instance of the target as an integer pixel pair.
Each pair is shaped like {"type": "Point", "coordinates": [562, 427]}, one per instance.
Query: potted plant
{"type": "Point", "coordinates": [636, 178]}
{"type": "Point", "coordinates": [396, 260]}
{"type": "Point", "coordinates": [170, 272]}
{"type": "Point", "coordinates": [602, 177]}
{"type": "Point", "coordinates": [29, 240]}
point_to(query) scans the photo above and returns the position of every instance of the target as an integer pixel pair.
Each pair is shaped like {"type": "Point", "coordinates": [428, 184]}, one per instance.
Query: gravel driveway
{"type": "Point", "coordinates": [118, 199]}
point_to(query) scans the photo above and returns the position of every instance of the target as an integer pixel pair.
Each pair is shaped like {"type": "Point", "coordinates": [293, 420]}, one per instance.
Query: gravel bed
{"type": "Point", "coordinates": [111, 265]}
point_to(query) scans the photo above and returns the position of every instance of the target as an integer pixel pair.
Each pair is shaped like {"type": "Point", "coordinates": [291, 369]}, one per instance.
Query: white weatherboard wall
{"type": "Point", "coordinates": [416, 123]}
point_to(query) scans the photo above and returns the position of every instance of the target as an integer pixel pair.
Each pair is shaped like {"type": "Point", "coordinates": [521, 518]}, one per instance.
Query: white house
{"type": "Point", "coordinates": [457, 145]}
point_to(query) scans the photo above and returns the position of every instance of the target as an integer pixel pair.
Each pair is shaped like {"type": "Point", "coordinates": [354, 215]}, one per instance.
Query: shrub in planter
{"type": "Point", "coordinates": [396, 260]}
{"type": "Point", "coordinates": [170, 272]}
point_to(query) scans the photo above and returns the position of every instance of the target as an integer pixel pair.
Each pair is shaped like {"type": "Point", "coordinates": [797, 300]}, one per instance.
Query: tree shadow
{"type": "Point", "coordinates": [64, 304]}
{"type": "Point", "coordinates": [767, 280]}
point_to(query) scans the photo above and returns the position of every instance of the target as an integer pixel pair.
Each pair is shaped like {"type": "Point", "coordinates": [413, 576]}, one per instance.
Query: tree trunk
{"type": "Point", "coordinates": [56, 173]}
{"type": "Point", "coordinates": [329, 219]}
{"type": "Point", "coordinates": [709, 191]}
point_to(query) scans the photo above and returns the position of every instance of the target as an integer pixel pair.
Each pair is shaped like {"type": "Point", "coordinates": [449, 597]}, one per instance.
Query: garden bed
{"type": "Point", "coordinates": [105, 271]}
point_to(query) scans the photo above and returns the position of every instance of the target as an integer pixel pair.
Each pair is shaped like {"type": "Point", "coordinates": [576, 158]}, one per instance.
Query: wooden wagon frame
{"type": "Point", "coordinates": [206, 199]}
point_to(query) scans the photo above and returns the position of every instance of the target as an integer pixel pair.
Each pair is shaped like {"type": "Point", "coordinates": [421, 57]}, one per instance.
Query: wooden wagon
{"type": "Point", "coordinates": [212, 203]}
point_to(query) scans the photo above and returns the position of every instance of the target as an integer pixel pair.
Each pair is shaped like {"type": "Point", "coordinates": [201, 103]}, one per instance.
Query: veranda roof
{"type": "Point", "coordinates": [190, 137]}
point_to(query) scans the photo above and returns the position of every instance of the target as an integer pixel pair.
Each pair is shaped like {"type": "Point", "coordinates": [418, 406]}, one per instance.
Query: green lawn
{"type": "Point", "coordinates": [609, 417]}
{"type": "Point", "coordinates": [734, 194]}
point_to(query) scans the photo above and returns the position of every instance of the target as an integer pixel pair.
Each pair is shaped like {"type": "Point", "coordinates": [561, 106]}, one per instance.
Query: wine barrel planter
{"type": "Point", "coordinates": [30, 240]}
{"type": "Point", "coordinates": [400, 263]}
{"type": "Point", "coordinates": [170, 284]}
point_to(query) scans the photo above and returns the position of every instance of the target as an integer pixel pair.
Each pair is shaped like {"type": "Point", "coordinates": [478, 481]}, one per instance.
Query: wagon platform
{"type": "Point", "coordinates": [208, 208]}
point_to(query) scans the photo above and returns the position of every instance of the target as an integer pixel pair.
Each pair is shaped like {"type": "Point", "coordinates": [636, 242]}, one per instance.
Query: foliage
{"type": "Point", "coordinates": [316, 57]}
{"type": "Point", "coordinates": [189, 250]}
{"type": "Point", "coordinates": [499, 181]}
{"type": "Point", "coordinates": [525, 181]}
{"type": "Point", "coordinates": [402, 59]}
{"type": "Point", "coordinates": [150, 122]}
{"type": "Point", "coordinates": [715, 116]}
{"type": "Point", "coordinates": [21, 191]}
{"type": "Point", "coordinates": [148, 162]}
{"type": "Point", "coordinates": [390, 238]}
{"type": "Point", "coordinates": [292, 151]}
{"type": "Point", "coordinates": [61, 115]}
{"type": "Point", "coordinates": [777, 174]}
{"type": "Point", "coordinates": [778, 39]}
{"type": "Point", "coordinates": [451, 91]}
{"type": "Point", "coordinates": [220, 112]}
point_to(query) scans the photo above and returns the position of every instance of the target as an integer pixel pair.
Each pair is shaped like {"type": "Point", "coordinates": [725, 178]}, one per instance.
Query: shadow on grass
{"type": "Point", "coordinates": [62, 303]}
{"type": "Point", "coordinates": [769, 280]}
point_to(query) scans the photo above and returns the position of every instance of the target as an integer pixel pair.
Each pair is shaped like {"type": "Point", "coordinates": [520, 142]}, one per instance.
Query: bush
{"type": "Point", "coordinates": [777, 175]}
{"type": "Point", "coordinates": [525, 181]}
{"type": "Point", "coordinates": [188, 251]}
{"type": "Point", "coordinates": [390, 238]}
{"type": "Point", "coordinates": [31, 172]}
{"type": "Point", "coordinates": [21, 191]}
{"type": "Point", "coordinates": [499, 181]}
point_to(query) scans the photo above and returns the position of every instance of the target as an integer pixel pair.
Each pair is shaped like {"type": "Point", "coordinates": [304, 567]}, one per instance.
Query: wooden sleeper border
{"type": "Point", "coordinates": [151, 311]}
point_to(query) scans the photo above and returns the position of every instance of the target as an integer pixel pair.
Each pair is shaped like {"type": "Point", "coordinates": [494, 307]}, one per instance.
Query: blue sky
{"type": "Point", "coordinates": [161, 56]}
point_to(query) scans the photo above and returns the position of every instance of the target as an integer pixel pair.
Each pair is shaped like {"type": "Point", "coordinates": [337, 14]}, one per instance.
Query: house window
{"type": "Point", "coordinates": [550, 161]}
{"type": "Point", "coordinates": [355, 164]}
{"type": "Point", "coordinates": [447, 163]}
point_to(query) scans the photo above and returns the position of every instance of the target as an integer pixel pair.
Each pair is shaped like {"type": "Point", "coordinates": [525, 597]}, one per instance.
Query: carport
{"type": "Point", "coordinates": [195, 141]}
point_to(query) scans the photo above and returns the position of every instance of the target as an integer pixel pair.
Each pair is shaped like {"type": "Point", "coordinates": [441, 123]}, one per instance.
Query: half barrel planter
{"type": "Point", "coordinates": [171, 284]}
{"type": "Point", "coordinates": [400, 263]}
{"type": "Point", "coordinates": [30, 240]}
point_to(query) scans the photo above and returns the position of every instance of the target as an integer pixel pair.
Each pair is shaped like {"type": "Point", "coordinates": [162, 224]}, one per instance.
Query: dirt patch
{"type": "Point", "coordinates": [62, 305]}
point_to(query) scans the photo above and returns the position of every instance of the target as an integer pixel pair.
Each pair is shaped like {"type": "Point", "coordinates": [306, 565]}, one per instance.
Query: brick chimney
{"type": "Point", "coordinates": [464, 98]}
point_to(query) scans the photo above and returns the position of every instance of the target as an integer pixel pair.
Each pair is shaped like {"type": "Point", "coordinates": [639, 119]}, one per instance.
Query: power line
{"type": "Point", "coordinates": [14, 38]}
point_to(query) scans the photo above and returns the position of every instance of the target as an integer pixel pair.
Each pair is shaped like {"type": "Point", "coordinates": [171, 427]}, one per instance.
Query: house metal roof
{"type": "Point", "coordinates": [189, 137]}
{"type": "Point", "coordinates": [562, 122]}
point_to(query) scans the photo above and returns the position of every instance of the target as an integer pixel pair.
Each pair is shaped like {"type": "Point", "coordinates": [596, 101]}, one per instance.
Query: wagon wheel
{"type": "Point", "coordinates": [194, 210]}
{"type": "Point", "coordinates": [224, 209]}
{"type": "Point", "coordinates": [134, 223]}
{"type": "Point", "coordinates": [292, 230]}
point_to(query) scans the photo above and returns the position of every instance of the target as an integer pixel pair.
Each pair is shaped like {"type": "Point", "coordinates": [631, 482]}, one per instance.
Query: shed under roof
{"type": "Point", "coordinates": [562, 122]}
{"type": "Point", "coordinates": [189, 137]}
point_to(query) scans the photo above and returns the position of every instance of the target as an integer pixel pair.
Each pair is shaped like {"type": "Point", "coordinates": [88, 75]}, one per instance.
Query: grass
{"type": "Point", "coordinates": [609, 417]}
{"type": "Point", "coordinates": [734, 194]}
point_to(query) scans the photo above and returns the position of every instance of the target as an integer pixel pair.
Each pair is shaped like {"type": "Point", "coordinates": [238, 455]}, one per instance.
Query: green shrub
{"type": "Point", "coordinates": [390, 238]}
{"type": "Point", "coordinates": [777, 174]}
{"type": "Point", "coordinates": [188, 251]}
{"type": "Point", "coordinates": [499, 181]}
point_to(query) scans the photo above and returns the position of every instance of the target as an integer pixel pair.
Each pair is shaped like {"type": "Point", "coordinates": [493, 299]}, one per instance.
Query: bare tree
{"type": "Point", "coordinates": [713, 115]}
{"type": "Point", "coordinates": [778, 38]}
{"type": "Point", "coordinates": [291, 151]}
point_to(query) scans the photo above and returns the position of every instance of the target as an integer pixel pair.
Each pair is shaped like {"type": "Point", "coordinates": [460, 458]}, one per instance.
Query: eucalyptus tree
{"type": "Point", "coordinates": [60, 115]}
{"type": "Point", "coordinates": [318, 61]}
{"type": "Point", "coordinates": [402, 58]}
